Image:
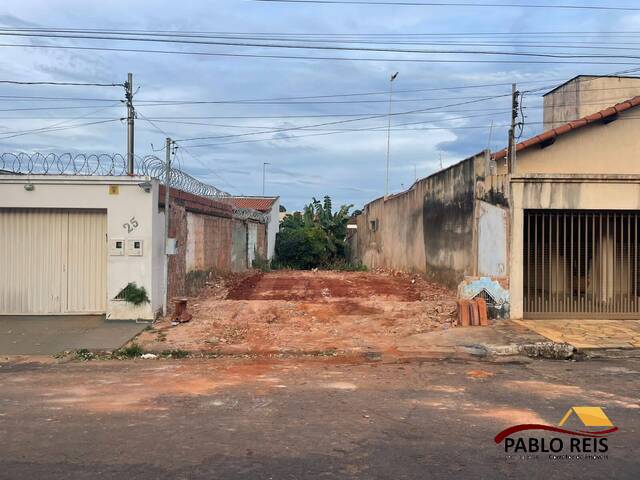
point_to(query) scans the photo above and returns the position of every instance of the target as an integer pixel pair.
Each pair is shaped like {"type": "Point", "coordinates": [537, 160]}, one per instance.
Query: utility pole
{"type": "Point", "coordinates": [167, 182]}
{"type": "Point", "coordinates": [264, 171]}
{"type": "Point", "coordinates": [128, 88]}
{"type": "Point", "coordinates": [511, 148]}
{"type": "Point", "coordinates": [386, 184]}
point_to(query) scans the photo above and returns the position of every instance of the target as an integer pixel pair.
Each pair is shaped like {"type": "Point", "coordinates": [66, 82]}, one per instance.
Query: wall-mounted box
{"type": "Point", "coordinates": [134, 248]}
{"type": "Point", "coordinates": [116, 247]}
{"type": "Point", "coordinates": [172, 246]}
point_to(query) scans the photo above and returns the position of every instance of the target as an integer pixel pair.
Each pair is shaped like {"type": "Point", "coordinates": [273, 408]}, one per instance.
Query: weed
{"type": "Point", "coordinates": [261, 263]}
{"type": "Point", "coordinates": [132, 293]}
{"type": "Point", "coordinates": [84, 354]}
{"type": "Point", "coordinates": [130, 351]}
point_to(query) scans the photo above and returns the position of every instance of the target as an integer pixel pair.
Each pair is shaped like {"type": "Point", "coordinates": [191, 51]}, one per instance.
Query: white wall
{"type": "Point", "coordinates": [131, 214]}
{"type": "Point", "coordinates": [272, 228]}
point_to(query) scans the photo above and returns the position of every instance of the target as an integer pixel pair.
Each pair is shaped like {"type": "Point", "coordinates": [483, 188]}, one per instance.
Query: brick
{"type": "Point", "coordinates": [474, 314]}
{"type": "Point", "coordinates": [482, 311]}
{"type": "Point", "coordinates": [463, 313]}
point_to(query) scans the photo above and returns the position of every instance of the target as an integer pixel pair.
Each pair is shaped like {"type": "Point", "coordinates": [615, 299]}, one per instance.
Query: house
{"type": "Point", "coordinates": [269, 206]}
{"type": "Point", "coordinates": [70, 244]}
{"type": "Point", "coordinates": [557, 237]}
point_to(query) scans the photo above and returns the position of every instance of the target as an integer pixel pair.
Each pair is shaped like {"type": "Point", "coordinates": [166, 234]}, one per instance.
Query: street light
{"type": "Point", "coordinates": [264, 171]}
{"type": "Point", "coordinates": [386, 184]}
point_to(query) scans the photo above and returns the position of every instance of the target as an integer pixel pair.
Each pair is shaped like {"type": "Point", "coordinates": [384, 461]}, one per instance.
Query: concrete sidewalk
{"type": "Point", "coordinates": [588, 334]}
{"type": "Point", "coordinates": [48, 335]}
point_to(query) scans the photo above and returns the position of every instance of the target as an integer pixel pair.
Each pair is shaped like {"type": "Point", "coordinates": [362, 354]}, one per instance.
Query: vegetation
{"type": "Point", "coordinates": [315, 238]}
{"type": "Point", "coordinates": [130, 351]}
{"type": "Point", "coordinates": [132, 293]}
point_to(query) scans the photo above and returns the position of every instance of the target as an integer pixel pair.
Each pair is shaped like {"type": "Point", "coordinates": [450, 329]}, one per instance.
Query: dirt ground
{"type": "Point", "coordinates": [318, 312]}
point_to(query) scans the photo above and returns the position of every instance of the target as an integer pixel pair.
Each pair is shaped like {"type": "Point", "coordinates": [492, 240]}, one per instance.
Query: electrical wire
{"type": "Point", "coordinates": [66, 84]}
{"type": "Point", "coordinates": [304, 57]}
{"type": "Point", "coordinates": [457, 4]}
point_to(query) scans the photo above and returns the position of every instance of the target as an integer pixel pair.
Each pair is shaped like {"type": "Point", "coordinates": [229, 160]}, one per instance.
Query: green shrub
{"type": "Point", "coordinates": [132, 293]}
{"type": "Point", "coordinates": [313, 239]}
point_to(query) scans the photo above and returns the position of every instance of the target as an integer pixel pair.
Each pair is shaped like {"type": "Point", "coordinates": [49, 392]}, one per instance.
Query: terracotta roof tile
{"type": "Point", "coordinates": [574, 125]}
{"type": "Point", "coordinates": [262, 204]}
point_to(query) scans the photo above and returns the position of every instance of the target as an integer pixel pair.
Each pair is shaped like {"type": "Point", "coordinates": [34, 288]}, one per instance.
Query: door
{"type": "Point", "coordinates": [52, 261]}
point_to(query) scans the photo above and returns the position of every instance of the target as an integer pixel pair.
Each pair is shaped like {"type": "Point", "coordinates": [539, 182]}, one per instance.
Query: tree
{"type": "Point", "coordinates": [313, 238]}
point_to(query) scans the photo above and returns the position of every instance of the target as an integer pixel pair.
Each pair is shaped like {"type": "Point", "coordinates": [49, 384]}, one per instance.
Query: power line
{"type": "Point", "coordinates": [337, 122]}
{"type": "Point", "coordinates": [457, 4]}
{"type": "Point", "coordinates": [317, 47]}
{"type": "Point", "coordinates": [47, 130]}
{"type": "Point", "coordinates": [74, 84]}
{"type": "Point", "coordinates": [188, 152]}
{"type": "Point", "coordinates": [305, 57]}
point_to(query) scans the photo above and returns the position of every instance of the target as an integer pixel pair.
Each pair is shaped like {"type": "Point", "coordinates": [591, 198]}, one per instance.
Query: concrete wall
{"type": "Point", "coordinates": [123, 204]}
{"type": "Point", "coordinates": [449, 223]}
{"type": "Point", "coordinates": [544, 191]}
{"type": "Point", "coordinates": [430, 228]}
{"type": "Point", "coordinates": [202, 229]}
{"type": "Point", "coordinates": [601, 149]}
{"type": "Point", "coordinates": [238, 246]}
{"type": "Point", "coordinates": [585, 95]}
{"type": "Point", "coordinates": [273, 228]}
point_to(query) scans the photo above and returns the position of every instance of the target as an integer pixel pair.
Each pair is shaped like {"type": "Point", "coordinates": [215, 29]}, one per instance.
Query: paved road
{"type": "Point", "coordinates": [299, 419]}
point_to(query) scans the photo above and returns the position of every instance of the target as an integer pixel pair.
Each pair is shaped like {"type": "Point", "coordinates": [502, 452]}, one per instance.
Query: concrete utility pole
{"type": "Point", "coordinates": [511, 146]}
{"type": "Point", "coordinates": [167, 182]}
{"type": "Point", "coordinates": [386, 184]}
{"type": "Point", "coordinates": [264, 172]}
{"type": "Point", "coordinates": [128, 88]}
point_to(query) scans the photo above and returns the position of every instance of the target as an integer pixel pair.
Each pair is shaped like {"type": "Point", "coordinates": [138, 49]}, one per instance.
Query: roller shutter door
{"type": "Point", "coordinates": [52, 261]}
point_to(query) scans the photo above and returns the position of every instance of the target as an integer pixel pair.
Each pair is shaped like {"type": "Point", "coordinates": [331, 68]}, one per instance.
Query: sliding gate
{"type": "Point", "coordinates": [581, 264]}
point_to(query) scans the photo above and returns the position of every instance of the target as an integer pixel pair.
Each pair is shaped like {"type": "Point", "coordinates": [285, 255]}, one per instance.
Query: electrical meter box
{"type": "Point", "coordinates": [172, 246]}
{"type": "Point", "coordinates": [134, 248]}
{"type": "Point", "coordinates": [116, 247]}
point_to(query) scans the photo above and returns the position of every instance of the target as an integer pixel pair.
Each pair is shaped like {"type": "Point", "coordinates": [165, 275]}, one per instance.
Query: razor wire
{"type": "Point", "coordinates": [80, 164]}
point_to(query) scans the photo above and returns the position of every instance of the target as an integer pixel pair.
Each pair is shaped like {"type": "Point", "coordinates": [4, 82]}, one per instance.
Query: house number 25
{"type": "Point", "coordinates": [131, 225]}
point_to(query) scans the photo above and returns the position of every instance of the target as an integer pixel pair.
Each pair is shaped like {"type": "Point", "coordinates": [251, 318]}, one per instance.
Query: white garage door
{"type": "Point", "coordinates": [53, 261]}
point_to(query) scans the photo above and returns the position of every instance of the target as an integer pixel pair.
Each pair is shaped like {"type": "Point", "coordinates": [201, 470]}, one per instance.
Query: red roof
{"type": "Point", "coordinates": [262, 204]}
{"type": "Point", "coordinates": [574, 125]}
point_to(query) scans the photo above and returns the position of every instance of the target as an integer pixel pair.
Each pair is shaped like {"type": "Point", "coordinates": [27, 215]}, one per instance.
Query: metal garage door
{"type": "Point", "coordinates": [581, 264]}
{"type": "Point", "coordinates": [52, 261]}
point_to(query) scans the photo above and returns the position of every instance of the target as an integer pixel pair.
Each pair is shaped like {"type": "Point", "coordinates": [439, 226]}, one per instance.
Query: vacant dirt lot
{"type": "Point", "coordinates": [307, 312]}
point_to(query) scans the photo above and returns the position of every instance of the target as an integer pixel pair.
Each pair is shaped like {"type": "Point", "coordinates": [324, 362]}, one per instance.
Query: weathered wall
{"type": "Point", "coordinates": [448, 219]}
{"type": "Point", "coordinates": [238, 246]}
{"type": "Point", "coordinates": [208, 243]}
{"type": "Point", "coordinates": [584, 96]}
{"type": "Point", "coordinates": [429, 228]}
{"type": "Point", "coordinates": [202, 229]}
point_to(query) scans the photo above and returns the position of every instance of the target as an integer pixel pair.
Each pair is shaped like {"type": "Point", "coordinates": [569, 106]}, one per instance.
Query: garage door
{"type": "Point", "coordinates": [52, 261]}
{"type": "Point", "coordinates": [581, 264]}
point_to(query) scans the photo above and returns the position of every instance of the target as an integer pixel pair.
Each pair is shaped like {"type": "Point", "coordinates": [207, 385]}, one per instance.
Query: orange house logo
{"type": "Point", "coordinates": [595, 425]}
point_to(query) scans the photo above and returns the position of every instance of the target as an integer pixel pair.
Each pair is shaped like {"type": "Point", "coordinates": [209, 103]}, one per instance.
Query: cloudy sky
{"type": "Point", "coordinates": [345, 160]}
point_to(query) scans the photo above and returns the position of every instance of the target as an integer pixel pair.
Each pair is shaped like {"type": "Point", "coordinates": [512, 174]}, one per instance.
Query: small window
{"type": "Point", "coordinates": [119, 244]}
{"type": "Point", "coordinates": [373, 225]}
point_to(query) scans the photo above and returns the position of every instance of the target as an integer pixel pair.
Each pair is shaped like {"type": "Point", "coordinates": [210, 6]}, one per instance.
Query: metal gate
{"type": "Point", "coordinates": [52, 261]}
{"type": "Point", "coordinates": [580, 264]}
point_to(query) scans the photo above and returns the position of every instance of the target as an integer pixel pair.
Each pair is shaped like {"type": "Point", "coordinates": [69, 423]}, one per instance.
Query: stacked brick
{"type": "Point", "coordinates": [472, 313]}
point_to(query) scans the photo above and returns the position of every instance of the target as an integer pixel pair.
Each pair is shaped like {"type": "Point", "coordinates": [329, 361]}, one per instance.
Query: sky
{"type": "Point", "coordinates": [340, 160]}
